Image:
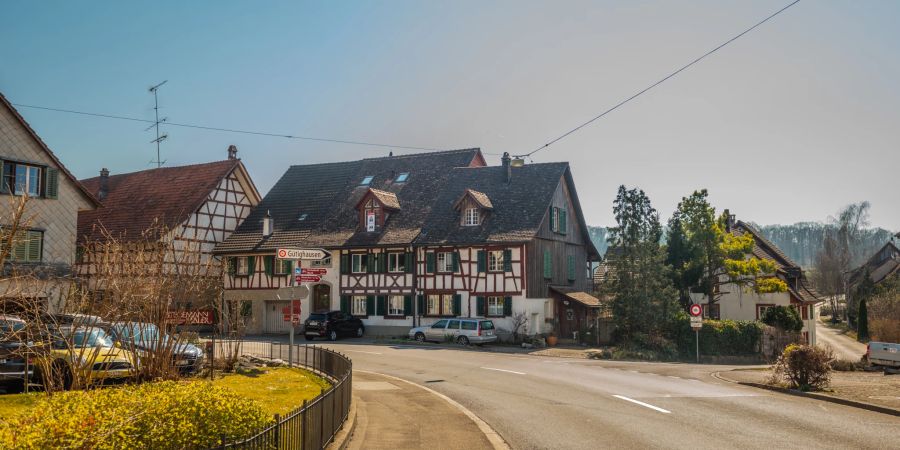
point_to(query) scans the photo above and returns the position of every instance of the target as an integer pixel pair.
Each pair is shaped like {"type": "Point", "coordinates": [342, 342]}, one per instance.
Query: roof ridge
{"type": "Point", "coordinates": [433, 153]}
{"type": "Point", "coordinates": [187, 166]}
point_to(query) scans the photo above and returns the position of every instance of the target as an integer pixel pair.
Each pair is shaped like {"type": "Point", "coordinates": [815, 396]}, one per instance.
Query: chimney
{"type": "Point", "coordinates": [729, 221]}
{"type": "Point", "coordinates": [506, 165]}
{"type": "Point", "coordinates": [267, 225]}
{"type": "Point", "coordinates": [232, 152]}
{"type": "Point", "coordinates": [104, 183]}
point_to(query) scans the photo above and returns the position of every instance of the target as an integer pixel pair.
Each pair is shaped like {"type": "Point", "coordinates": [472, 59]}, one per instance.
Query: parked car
{"type": "Point", "coordinates": [463, 331]}
{"type": "Point", "coordinates": [885, 355]}
{"type": "Point", "coordinates": [332, 325]}
{"type": "Point", "coordinates": [145, 337]}
{"type": "Point", "coordinates": [13, 367]}
{"type": "Point", "coordinates": [88, 351]}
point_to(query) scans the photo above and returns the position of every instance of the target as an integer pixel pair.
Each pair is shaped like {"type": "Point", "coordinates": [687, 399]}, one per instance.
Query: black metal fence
{"type": "Point", "coordinates": [314, 424]}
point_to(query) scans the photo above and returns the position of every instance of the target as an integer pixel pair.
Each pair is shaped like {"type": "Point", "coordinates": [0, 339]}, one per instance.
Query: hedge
{"type": "Point", "coordinates": [719, 337]}
{"type": "Point", "coordinates": [163, 415]}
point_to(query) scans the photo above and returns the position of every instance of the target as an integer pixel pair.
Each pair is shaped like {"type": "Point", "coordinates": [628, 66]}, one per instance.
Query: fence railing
{"type": "Point", "coordinates": [312, 425]}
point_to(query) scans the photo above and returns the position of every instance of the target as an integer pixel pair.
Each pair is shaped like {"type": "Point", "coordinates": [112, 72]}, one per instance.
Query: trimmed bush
{"type": "Point", "coordinates": [718, 338]}
{"type": "Point", "coordinates": [804, 367]}
{"type": "Point", "coordinates": [163, 415]}
{"type": "Point", "coordinates": [784, 318]}
{"type": "Point", "coordinates": [646, 347]}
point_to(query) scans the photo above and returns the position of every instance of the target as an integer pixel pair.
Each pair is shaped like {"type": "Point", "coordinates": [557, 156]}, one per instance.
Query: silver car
{"type": "Point", "coordinates": [463, 331]}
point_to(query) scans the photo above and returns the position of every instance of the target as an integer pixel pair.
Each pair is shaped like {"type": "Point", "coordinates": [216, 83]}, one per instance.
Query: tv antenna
{"type": "Point", "coordinates": [159, 138]}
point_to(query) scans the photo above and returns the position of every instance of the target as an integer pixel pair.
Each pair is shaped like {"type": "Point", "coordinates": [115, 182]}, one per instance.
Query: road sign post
{"type": "Point", "coordinates": [696, 323]}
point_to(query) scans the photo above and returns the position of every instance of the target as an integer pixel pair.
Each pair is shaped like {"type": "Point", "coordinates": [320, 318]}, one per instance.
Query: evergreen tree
{"type": "Point", "coordinates": [864, 291]}
{"type": "Point", "coordinates": [862, 331]}
{"type": "Point", "coordinates": [643, 298]}
{"type": "Point", "coordinates": [680, 256]}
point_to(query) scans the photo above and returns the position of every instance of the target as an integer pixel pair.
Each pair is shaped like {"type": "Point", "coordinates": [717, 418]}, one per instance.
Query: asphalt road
{"type": "Point", "coordinates": [558, 403]}
{"type": "Point", "coordinates": [844, 346]}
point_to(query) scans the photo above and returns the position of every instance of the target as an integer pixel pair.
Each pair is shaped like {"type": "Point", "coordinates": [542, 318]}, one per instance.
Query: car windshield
{"type": "Point", "coordinates": [9, 328]}
{"type": "Point", "coordinates": [318, 316]}
{"type": "Point", "coordinates": [138, 332]}
{"type": "Point", "coordinates": [487, 325]}
{"type": "Point", "coordinates": [93, 337]}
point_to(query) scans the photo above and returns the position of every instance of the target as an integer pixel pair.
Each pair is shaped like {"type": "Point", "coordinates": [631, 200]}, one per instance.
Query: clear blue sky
{"type": "Point", "coordinates": [787, 124]}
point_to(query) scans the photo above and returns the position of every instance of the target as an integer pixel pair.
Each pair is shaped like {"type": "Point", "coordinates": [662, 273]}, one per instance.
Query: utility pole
{"type": "Point", "coordinates": [159, 162]}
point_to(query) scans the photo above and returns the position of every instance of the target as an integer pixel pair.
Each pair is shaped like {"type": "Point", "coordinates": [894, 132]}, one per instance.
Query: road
{"type": "Point", "coordinates": [552, 403]}
{"type": "Point", "coordinates": [844, 346]}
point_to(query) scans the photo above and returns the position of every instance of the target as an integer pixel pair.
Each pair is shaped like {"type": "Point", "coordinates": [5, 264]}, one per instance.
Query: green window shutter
{"type": "Point", "coordinates": [548, 264]}
{"type": "Point", "coordinates": [409, 262]}
{"type": "Point", "coordinates": [370, 305]}
{"type": "Point", "coordinates": [20, 247]}
{"type": "Point", "coordinates": [482, 261]}
{"type": "Point", "coordinates": [370, 262]}
{"type": "Point", "coordinates": [479, 306]}
{"type": "Point", "coordinates": [429, 262]}
{"type": "Point", "coordinates": [35, 243]}
{"type": "Point", "coordinates": [4, 188]}
{"type": "Point", "coordinates": [382, 262]}
{"type": "Point", "coordinates": [268, 264]}
{"type": "Point", "coordinates": [507, 306]}
{"type": "Point", "coordinates": [51, 183]}
{"type": "Point", "coordinates": [570, 267]}
{"type": "Point", "coordinates": [345, 263]}
{"type": "Point", "coordinates": [345, 304]}
{"type": "Point", "coordinates": [251, 265]}
{"type": "Point", "coordinates": [454, 263]}
{"type": "Point", "coordinates": [407, 305]}
{"type": "Point", "coordinates": [507, 260]}
{"type": "Point", "coordinates": [382, 306]}
{"type": "Point", "coordinates": [562, 221]}
{"type": "Point", "coordinates": [420, 305]}
{"type": "Point", "coordinates": [287, 266]}
{"type": "Point", "coordinates": [457, 304]}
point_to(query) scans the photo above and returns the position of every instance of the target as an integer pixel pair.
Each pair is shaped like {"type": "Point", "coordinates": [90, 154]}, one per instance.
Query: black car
{"type": "Point", "coordinates": [331, 325]}
{"type": "Point", "coordinates": [13, 367]}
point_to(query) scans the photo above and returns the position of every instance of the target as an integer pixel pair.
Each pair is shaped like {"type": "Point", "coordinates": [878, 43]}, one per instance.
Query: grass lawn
{"type": "Point", "coordinates": [278, 390]}
{"type": "Point", "coordinates": [14, 404]}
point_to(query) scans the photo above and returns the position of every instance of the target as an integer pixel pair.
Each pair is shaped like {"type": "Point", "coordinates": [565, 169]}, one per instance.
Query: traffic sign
{"type": "Point", "coordinates": [306, 271]}
{"type": "Point", "coordinates": [696, 322]}
{"type": "Point", "coordinates": [307, 254]}
{"type": "Point", "coordinates": [696, 310]}
{"type": "Point", "coordinates": [307, 278]}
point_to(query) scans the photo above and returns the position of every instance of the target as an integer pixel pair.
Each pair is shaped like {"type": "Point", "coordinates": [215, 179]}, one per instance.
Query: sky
{"type": "Point", "coordinates": [787, 124]}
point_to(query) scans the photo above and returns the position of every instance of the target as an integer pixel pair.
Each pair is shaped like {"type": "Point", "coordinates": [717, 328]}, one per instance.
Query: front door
{"type": "Point", "coordinates": [321, 298]}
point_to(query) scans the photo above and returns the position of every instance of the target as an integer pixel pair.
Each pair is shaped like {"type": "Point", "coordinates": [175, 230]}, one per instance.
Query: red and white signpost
{"type": "Point", "coordinates": [696, 323]}
{"type": "Point", "coordinates": [302, 275]}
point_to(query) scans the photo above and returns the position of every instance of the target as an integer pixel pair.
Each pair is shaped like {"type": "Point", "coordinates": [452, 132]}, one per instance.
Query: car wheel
{"type": "Point", "coordinates": [420, 337]}
{"type": "Point", "coordinates": [309, 337]}
{"type": "Point", "coordinates": [359, 332]}
{"type": "Point", "coordinates": [462, 340]}
{"type": "Point", "coordinates": [332, 335]}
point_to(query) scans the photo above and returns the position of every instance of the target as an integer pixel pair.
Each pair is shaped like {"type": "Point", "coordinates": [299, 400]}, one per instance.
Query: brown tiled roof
{"type": "Point", "coordinates": [581, 297]}
{"type": "Point", "coordinates": [480, 198]}
{"type": "Point", "coordinates": [388, 199]}
{"type": "Point", "coordinates": [138, 201]}
{"type": "Point", "coordinates": [882, 264]}
{"type": "Point", "coordinates": [325, 196]}
{"type": "Point", "coordinates": [43, 145]}
{"type": "Point", "coordinates": [764, 248]}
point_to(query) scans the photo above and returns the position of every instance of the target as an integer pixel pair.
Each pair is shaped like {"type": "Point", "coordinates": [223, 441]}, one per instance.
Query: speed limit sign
{"type": "Point", "coordinates": [696, 310]}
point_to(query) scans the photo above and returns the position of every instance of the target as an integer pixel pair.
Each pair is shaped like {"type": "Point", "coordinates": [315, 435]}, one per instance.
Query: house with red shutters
{"type": "Point", "coordinates": [416, 238]}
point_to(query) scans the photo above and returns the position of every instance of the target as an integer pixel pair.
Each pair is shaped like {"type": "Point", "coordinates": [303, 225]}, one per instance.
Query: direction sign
{"type": "Point", "coordinates": [306, 271]}
{"type": "Point", "coordinates": [307, 254]}
{"type": "Point", "coordinates": [307, 278]}
{"type": "Point", "coordinates": [696, 310]}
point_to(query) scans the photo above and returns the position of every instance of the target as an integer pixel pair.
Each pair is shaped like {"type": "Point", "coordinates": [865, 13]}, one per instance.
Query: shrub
{"type": "Point", "coordinates": [804, 367]}
{"type": "Point", "coordinates": [846, 365]}
{"type": "Point", "coordinates": [718, 337]}
{"type": "Point", "coordinates": [885, 330]}
{"type": "Point", "coordinates": [783, 317]}
{"type": "Point", "coordinates": [164, 415]}
{"type": "Point", "coordinates": [644, 346]}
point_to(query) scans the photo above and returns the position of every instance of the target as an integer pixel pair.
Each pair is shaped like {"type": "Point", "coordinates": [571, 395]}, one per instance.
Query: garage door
{"type": "Point", "coordinates": [275, 318]}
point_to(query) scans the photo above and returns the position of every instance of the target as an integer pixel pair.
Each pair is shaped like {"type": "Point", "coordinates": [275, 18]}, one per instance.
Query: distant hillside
{"type": "Point", "coordinates": [800, 241]}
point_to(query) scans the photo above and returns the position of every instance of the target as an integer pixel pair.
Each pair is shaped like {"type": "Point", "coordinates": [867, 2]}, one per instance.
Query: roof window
{"type": "Point", "coordinates": [366, 180]}
{"type": "Point", "coordinates": [302, 216]}
{"type": "Point", "coordinates": [402, 177]}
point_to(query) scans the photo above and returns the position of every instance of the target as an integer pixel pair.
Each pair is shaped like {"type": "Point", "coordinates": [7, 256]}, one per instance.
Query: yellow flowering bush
{"type": "Point", "coordinates": [163, 415]}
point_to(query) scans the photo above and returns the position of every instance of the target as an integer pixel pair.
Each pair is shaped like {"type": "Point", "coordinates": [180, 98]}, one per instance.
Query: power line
{"type": "Point", "coordinates": [658, 82]}
{"type": "Point", "coordinates": [226, 130]}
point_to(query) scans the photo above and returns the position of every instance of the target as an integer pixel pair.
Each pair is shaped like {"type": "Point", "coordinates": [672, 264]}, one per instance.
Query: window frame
{"type": "Point", "coordinates": [396, 262]}
{"type": "Point", "coordinates": [363, 263]}
{"type": "Point", "coordinates": [27, 236]}
{"type": "Point", "coordinates": [761, 309]}
{"type": "Point", "coordinates": [472, 217]}
{"type": "Point", "coordinates": [281, 264]}
{"type": "Point", "coordinates": [325, 262]}
{"type": "Point", "coordinates": [403, 177]}
{"type": "Point", "coordinates": [442, 300]}
{"type": "Point", "coordinates": [391, 310]}
{"type": "Point", "coordinates": [493, 262]}
{"type": "Point", "coordinates": [242, 266]}
{"type": "Point", "coordinates": [11, 178]}
{"type": "Point", "coordinates": [355, 302]}
{"type": "Point", "coordinates": [709, 309]}
{"type": "Point", "coordinates": [501, 302]}
{"type": "Point", "coordinates": [445, 265]}
{"type": "Point", "coordinates": [367, 180]}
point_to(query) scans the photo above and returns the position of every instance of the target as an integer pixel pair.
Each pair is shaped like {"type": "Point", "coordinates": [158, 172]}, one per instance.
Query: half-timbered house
{"type": "Point", "coordinates": [415, 238]}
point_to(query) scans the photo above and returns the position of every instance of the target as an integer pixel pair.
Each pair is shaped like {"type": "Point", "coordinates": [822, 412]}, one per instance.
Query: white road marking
{"type": "Point", "coordinates": [504, 370]}
{"type": "Point", "coordinates": [646, 405]}
{"type": "Point", "coordinates": [677, 378]}
{"type": "Point", "coordinates": [360, 351]}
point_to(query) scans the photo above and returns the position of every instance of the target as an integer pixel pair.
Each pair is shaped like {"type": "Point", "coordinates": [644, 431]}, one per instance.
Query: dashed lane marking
{"type": "Point", "coordinates": [645, 405]}
{"type": "Point", "coordinates": [504, 370]}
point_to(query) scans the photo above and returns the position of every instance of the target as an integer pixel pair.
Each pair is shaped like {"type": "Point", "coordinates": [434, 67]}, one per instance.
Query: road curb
{"type": "Point", "coordinates": [497, 441]}
{"type": "Point", "coordinates": [342, 438]}
{"type": "Point", "coordinates": [827, 398]}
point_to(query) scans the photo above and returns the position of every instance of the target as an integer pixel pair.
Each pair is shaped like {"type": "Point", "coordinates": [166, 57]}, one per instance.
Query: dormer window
{"type": "Point", "coordinates": [374, 209]}
{"type": "Point", "coordinates": [367, 180]}
{"type": "Point", "coordinates": [402, 177]}
{"type": "Point", "coordinates": [473, 217]}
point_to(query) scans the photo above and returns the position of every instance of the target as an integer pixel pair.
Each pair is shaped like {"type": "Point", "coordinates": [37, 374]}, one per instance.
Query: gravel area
{"type": "Point", "coordinates": [867, 387]}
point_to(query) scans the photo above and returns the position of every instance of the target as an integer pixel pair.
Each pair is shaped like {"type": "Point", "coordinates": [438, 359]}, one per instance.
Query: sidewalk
{"type": "Point", "coordinates": [393, 414]}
